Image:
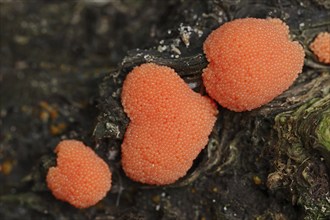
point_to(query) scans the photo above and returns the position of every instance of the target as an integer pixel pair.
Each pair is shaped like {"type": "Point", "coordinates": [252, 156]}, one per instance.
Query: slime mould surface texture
{"type": "Point", "coordinates": [251, 61]}
{"type": "Point", "coordinates": [321, 47]}
{"type": "Point", "coordinates": [169, 126]}
{"type": "Point", "coordinates": [81, 177]}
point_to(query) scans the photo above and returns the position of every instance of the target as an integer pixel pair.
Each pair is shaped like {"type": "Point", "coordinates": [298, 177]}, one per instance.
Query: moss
{"type": "Point", "coordinates": [323, 131]}
{"type": "Point", "coordinates": [303, 152]}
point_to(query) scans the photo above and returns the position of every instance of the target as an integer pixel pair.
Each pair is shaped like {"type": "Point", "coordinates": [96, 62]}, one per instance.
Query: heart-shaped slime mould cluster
{"type": "Point", "coordinates": [81, 177]}
{"type": "Point", "coordinates": [169, 126]}
{"type": "Point", "coordinates": [251, 61]}
{"type": "Point", "coordinates": [321, 47]}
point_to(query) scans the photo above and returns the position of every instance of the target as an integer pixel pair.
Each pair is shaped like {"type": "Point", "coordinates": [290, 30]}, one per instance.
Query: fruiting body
{"type": "Point", "coordinates": [321, 47]}
{"type": "Point", "coordinates": [170, 124]}
{"type": "Point", "coordinates": [80, 177]}
{"type": "Point", "coordinates": [251, 61]}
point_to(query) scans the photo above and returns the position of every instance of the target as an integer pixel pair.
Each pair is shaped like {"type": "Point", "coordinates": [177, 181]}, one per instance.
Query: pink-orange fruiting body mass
{"type": "Point", "coordinates": [251, 61]}
{"type": "Point", "coordinates": [170, 124]}
{"type": "Point", "coordinates": [81, 177]}
{"type": "Point", "coordinates": [321, 47]}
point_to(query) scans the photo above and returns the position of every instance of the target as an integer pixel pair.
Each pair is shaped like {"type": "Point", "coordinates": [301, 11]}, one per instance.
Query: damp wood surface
{"type": "Point", "coordinates": [62, 65]}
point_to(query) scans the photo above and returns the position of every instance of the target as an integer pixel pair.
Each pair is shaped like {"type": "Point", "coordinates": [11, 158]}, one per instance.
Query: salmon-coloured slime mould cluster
{"type": "Point", "coordinates": [169, 126]}
{"type": "Point", "coordinates": [80, 178]}
{"type": "Point", "coordinates": [321, 47]}
{"type": "Point", "coordinates": [251, 61]}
